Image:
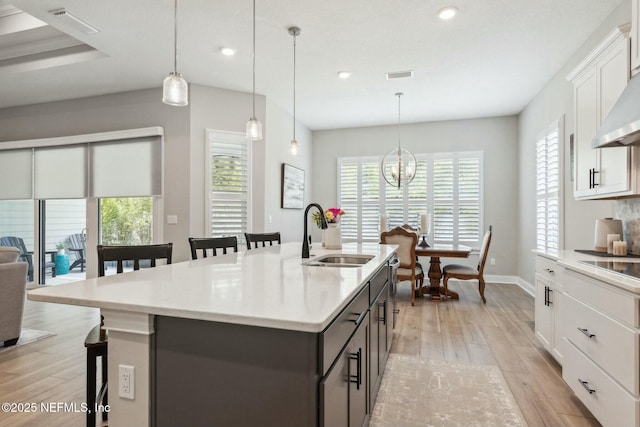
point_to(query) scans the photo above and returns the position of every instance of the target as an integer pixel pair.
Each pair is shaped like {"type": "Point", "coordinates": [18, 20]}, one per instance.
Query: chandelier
{"type": "Point", "coordinates": [398, 166]}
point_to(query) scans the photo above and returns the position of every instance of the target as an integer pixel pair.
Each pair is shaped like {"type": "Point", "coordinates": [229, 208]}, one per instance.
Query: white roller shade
{"type": "Point", "coordinates": [60, 172]}
{"type": "Point", "coordinates": [127, 168]}
{"type": "Point", "coordinates": [16, 175]}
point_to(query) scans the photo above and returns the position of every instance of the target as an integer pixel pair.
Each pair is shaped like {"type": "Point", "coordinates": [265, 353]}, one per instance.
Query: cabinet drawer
{"type": "Point", "coordinates": [608, 343]}
{"type": "Point", "coordinates": [334, 338]}
{"type": "Point", "coordinates": [545, 265]}
{"type": "Point", "coordinates": [377, 283]}
{"type": "Point", "coordinates": [603, 297]}
{"type": "Point", "coordinates": [608, 402]}
{"type": "Point", "coordinates": [548, 269]}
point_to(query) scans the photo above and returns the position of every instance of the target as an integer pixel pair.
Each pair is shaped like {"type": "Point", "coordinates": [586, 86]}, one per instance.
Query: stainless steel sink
{"type": "Point", "coordinates": [340, 260]}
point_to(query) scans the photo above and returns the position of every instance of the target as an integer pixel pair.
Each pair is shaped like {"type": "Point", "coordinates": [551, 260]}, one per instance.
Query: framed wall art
{"type": "Point", "coordinates": [292, 187]}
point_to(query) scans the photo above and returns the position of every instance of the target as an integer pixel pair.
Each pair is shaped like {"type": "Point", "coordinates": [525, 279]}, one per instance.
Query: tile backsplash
{"type": "Point", "coordinates": [628, 210]}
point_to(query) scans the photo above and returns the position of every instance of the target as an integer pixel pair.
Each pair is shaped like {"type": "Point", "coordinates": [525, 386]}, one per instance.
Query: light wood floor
{"type": "Point", "coordinates": [498, 333]}
{"type": "Point", "coordinates": [465, 331]}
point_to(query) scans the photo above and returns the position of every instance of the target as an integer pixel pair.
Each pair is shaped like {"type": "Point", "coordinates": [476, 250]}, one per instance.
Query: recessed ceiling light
{"type": "Point", "coordinates": [344, 74]}
{"type": "Point", "coordinates": [227, 51]}
{"type": "Point", "coordinates": [447, 13]}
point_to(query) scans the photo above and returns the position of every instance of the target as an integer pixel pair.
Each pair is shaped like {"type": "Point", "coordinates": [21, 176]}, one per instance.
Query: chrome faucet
{"type": "Point", "coordinates": [323, 225]}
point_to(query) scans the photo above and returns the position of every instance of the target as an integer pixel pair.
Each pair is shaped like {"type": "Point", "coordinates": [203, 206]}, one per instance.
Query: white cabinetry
{"type": "Point", "coordinates": [598, 81]}
{"type": "Point", "coordinates": [548, 303]}
{"type": "Point", "coordinates": [600, 325]}
{"type": "Point", "coordinates": [635, 36]}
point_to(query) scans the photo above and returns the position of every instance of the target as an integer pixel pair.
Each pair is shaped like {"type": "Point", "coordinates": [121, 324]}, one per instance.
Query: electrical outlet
{"type": "Point", "coordinates": [493, 261]}
{"type": "Point", "coordinates": [127, 381]}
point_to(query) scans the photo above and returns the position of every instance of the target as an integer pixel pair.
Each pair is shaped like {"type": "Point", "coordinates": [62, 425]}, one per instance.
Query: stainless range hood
{"type": "Point", "coordinates": [622, 126]}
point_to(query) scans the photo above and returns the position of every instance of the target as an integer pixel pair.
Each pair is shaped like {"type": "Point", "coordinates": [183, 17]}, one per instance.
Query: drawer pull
{"type": "Point", "coordinates": [585, 384]}
{"type": "Point", "coordinates": [586, 332]}
{"type": "Point", "coordinates": [548, 270]}
{"type": "Point", "coordinates": [360, 317]}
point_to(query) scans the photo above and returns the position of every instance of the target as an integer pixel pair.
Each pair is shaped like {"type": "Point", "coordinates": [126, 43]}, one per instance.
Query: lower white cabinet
{"type": "Point", "coordinates": [548, 303]}
{"type": "Point", "coordinates": [599, 325]}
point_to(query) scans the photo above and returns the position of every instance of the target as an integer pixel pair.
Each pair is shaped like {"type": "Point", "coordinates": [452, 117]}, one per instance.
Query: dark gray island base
{"type": "Point", "coordinates": [207, 373]}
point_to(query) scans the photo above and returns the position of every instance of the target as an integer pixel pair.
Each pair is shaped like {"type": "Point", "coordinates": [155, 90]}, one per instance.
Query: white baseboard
{"type": "Point", "coordinates": [511, 280]}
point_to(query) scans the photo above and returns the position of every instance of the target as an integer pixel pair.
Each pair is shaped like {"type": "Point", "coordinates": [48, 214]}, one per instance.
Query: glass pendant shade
{"type": "Point", "coordinates": [175, 90]}
{"type": "Point", "coordinates": [294, 147]}
{"type": "Point", "coordinates": [254, 129]}
{"type": "Point", "coordinates": [399, 167]}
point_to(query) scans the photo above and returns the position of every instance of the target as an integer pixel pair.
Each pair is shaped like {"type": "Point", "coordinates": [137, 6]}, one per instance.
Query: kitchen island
{"type": "Point", "coordinates": [249, 338]}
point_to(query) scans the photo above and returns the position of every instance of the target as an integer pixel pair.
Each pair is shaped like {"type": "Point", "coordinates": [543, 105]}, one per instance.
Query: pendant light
{"type": "Point", "coordinates": [175, 90]}
{"type": "Point", "coordinates": [254, 127]}
{"type": "Point", "coordinates": [398, 166]}
{"type": "Point", "coordinates": [294, 31]}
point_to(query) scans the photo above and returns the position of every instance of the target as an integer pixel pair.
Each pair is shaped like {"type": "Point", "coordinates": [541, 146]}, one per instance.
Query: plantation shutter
{"type": "Point", "coordinates": [548, 190]}
{"type": "Point", "coordinates": [229, 184]}
{"type": "Point", "coordinates": [359, 196]}
{"type": "Point", "coordinates": [468, 200]}
{"type": "Point", "coordinates": [447, 186]}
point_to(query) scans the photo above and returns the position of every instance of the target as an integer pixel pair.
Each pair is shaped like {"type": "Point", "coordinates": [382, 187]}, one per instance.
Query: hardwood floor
{"type": "Point", "coordinates": [465, 331]}
{"type": "Point", "coordinates": [499, 333]}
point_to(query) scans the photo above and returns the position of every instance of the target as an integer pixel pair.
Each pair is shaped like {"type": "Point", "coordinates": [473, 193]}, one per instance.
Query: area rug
{"type": "Point", "coordinates": [438, 393]}
{"type": "Point", "coordinates": [27, 336]}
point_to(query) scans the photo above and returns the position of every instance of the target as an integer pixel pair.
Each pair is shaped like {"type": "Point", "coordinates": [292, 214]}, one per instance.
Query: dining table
{"type": "Point", "coordinates": [435, 252]}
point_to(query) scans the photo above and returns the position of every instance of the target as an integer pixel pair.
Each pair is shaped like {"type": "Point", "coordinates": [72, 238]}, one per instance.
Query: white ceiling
{"type": "Point", "coordinates": [490, 60]}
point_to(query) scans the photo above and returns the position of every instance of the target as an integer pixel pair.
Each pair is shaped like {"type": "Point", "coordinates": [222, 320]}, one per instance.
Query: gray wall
{"type": "Point", "coordinates": [118, 111]}
{"type": "Point", "coordinates": [288, 222]}
{"type": "Point", "coordinates": [184, 127]}
{"type": "Point", "coordinates": [555, 100]}
{"type": "Point", "coordinates": [497, 137]}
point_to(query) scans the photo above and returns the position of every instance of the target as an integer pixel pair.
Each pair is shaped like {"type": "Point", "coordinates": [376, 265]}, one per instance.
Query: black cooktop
{"type": "Point", "coordinates": [622, 267]}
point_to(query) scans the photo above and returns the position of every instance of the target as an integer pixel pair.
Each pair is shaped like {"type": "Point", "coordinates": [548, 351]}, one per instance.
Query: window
{"type": "Point", "coordinates": [548, 189]}
{"type": "Point", "coordinates": [447, 185]}
{"type": "Point", "coordinates": [228, 172]}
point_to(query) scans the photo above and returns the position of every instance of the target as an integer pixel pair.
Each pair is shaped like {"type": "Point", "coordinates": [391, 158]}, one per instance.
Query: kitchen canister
{"type": "Point", "coordinates": [606, 226]}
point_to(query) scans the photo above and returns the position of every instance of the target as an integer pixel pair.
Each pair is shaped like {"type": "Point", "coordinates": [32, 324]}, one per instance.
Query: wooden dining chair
{"type": "Point", "coordinates": [212, 244]}
{"type": "Point", "coordinates": [409, 268]}
{"type": "Point", "coordinates": [97, 340]}
{"type": "Point", "coordinates": [463, 272]}
{"type": "Point", "coordinates": [263, 238]}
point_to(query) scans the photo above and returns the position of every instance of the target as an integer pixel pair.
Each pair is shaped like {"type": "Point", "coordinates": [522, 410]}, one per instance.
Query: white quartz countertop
{"type": "Point", "coordinates": [570, 259]}
{"type": "Point", "coordinates": [266, 287]}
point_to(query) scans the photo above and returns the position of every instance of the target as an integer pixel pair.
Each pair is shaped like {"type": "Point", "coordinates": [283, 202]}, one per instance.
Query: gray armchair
{"type": "Point", "coordinates": [13, 285]}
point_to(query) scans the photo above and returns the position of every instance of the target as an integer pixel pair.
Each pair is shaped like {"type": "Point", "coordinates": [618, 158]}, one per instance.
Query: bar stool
{"type": "Point", "coordinates": [96, 345]}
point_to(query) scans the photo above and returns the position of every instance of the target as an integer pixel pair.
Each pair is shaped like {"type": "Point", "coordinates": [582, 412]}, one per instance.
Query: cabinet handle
{"type": "Point", "coordinates": [360, 318]}
{"type": "Point", "coordinates": [591, 178]}
{"type": "Point", "coordinates": [585, 384]}
{"type": "Point", "coordinates": [595, 184]}
{"type": "Point", "coordinates": [547, 296]}
{"type": "Point", "coordinates": [586, 332]}
{"type": "Point", "coordinates": [383, 306]}
{"type": "Point", "coordinates": [548, 270]}
{"type": "Point", "coordinates": [357, 378]}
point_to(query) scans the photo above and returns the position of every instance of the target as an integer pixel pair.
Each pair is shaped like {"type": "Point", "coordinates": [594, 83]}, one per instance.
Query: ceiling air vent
{"type": "Point", "coordinates": [399, 75]}
{"type": "Point", "coordinates": [73, 21]}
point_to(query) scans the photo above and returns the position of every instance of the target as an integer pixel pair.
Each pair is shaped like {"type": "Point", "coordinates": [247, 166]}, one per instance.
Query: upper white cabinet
{"type": "Point", "coordinates": [598, 81]}
{"type": "Point", "coordinates": [635, 36]}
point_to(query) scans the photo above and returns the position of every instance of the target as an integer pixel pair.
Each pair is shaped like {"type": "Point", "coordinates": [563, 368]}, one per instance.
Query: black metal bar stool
{"type": "Point", "coordinates": [96, 345]}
